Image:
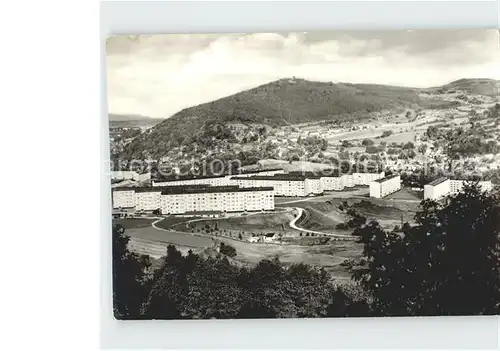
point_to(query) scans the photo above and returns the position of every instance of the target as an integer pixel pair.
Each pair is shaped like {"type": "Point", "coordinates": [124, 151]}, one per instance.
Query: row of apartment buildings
{"type": "Point", "coordinates": [443, 187]}
{"type": "Point", "coordinates": [249, 191]}
{"type": "Point", "coordinates": [284, 184]}
{"type": "Point", "coordinates": [187, 199]}
{"type": "Point", "coordinates": [130, 175]}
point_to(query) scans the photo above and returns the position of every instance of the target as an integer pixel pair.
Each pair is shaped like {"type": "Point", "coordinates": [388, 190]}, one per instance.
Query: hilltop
{"type": "Point", "coordinates": [287, 102]}
{"type": "Point", "coordinates": [279, 103]}
{"type": "Point", "coordinates": [292, 101]}
{"type": "Point", "coordinates": [122, 117]}
{"type": "Point", "coordinates": [479, 86]}
{"type": "Point", "coordinates": [122, 120]}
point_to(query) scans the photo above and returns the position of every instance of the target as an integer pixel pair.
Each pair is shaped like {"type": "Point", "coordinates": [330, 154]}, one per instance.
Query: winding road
{"type": "Point", "coordinates": [293, 225]}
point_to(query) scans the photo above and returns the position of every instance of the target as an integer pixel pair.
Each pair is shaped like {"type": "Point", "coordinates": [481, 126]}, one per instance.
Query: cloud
{"type": "Point", "coordinates": [159, 75]}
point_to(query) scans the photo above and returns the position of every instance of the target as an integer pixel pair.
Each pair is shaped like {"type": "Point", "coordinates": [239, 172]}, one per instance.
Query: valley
{"type": "Point", "coordinates": [302, 126]}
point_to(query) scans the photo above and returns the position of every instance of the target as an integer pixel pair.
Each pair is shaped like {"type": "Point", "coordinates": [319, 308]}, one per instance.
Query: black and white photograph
{"type": "Point", "coordinates": [304, 174]}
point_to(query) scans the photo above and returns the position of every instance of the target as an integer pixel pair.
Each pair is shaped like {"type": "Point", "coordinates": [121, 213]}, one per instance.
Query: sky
{"type": "Point", "coordinates": [159, 75]}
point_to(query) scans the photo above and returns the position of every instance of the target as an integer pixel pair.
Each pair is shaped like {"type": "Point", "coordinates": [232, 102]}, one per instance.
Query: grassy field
{"type": "Point", "coordinates": [169, 237]}
{"type": "Point", "coordinates": [324, 213]}
{"type": "Point", "coordinates": [325, 216]}
{"type": "Point", "coordinates": [148, 240]}
{"type": "Point", "coordinates": [170, 221]}
{"type": "Point", "coordinates": [406, 194]}
{"type": "Point", "coordinates": [400, 138]}
{"type": "Point", "coordinates": [129, 223]}
{"type": "Point", "coordinates": [247, 225]}
{"type": "Point", "coordinates": [327, 256]}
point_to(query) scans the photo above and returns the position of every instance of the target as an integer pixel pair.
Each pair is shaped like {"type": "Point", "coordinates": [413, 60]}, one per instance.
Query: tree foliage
{"type": "Point", "coordinates": [130, 278]}
{"type": "Point", "coordinates": [446, 264]}
{"type": "Point", "coordinates": [227, 250]}
{"type": "Point", "coordinates": [193, 287]}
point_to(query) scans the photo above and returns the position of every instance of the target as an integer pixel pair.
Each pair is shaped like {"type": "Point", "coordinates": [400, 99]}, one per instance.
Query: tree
{"type": "Point", "coordinates": [409, 145]}
{"type": "Point", "coordinates": [432, 132]}
{"type": "Point", "coordinates": [277, 292]}
{"type": "Point", "coordinates": [227, 250]}
{"type": "Point", "coordinates": [446, 264]}
{"type": "Point", "coordinates": [342, 226]}
{"type": "Point", "coordinates": [367, 142]}
{"type": "Point", "coordinates": [170, 286]}
{"type": "Point", "coordinates": [422, 148]}
{"type": "Point", "coordinates": [130, 280]}
{"type": "Point", "coordinates": [324, 145]}
{"type": "Point", "coordinates": [213, 290]}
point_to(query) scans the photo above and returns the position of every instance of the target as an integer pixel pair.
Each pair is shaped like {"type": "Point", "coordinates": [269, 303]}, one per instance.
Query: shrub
{"type": "Point", "coordinates": [342, 226]}
{"type": "Point", "coordinates": [227, 250]}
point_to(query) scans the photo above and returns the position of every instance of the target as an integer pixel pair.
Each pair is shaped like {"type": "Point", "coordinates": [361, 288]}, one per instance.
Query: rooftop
{"type": "Point", "coordinates": [382, 180]}
{"type": "Point", "coordinates": [175, 190]}
{"type": "Point", "coordinates": [277, 177]}
{"type": "Point", "coordinates": [190, 189]}
{"type": "Point", "coordinates": [260, 170]}
{"type": "Point", "coordinates": [438, 181]}
{"type": "Point", "coordinates": [187, 177]}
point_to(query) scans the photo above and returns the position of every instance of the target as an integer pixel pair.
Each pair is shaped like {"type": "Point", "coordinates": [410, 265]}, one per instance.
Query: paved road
{"type": "Point", "coordinates": [338, 236]}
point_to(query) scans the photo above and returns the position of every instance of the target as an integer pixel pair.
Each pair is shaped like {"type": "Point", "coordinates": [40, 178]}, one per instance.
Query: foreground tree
{"type": "Point", "coordinates": [130, 279]}
{"type": "Point", "coordinates": [194, 287]}
{"type": "Point", "coordinates": [446, 264]}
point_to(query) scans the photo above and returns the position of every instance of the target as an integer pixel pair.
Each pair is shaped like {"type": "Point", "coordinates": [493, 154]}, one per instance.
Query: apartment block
{"type": "Point", "coordinates": [188, 199]}
{"type": "Point", "coordinates": [443, 187]}
{"type": "Point", "coordinates": [380, 188]}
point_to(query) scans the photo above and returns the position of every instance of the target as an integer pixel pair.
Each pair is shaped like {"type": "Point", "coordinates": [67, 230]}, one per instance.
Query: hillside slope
{"type": "Point", "coordinates": [292, 101]}
{"type": "Point", "coordinates": [279, 103]}
{"type": "Point", "coordinates": [131, 121]}
{"type": "Point", "coordinates": [480, 86]}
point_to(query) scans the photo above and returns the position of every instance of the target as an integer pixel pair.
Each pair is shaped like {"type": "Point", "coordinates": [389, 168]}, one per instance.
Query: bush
{"type": "Point", "coordinates": [227, 250]}
{"type": "Point", "coordinates": [342, 226]}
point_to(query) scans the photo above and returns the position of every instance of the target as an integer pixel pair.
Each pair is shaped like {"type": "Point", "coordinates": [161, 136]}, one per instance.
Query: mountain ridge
{"type": "Point", "coordinates": [119, 117]}
{"type": "Point", "coordinates": [286, 101]}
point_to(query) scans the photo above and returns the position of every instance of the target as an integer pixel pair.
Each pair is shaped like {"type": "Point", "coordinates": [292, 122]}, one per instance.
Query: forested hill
{"type": "Point", "coordinates": [282, 102]}
{"type": "Point", "coordinates": [480, 86]}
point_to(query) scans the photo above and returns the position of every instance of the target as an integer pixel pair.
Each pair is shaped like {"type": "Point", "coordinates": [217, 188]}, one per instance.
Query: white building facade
{"type": "Point", "coordinates": [293, 184]}
{"type": "Point", "coordinates": [332, 183]}
{"type": "Point", "coordinates": [283, 186]}
{"type": "Point", "coordinates": [264, 172]}
{"type": "Point", "coordinates": [353, 179]}
{"type": "Point", "coordinates": [221, 180]}
{"type": "Point", "coordinates": [313, 186]}
{"type": "Point", "coordinates": [179, 200]}
{"type": "Point", "coordinates": [437, 189]}
{"type": "Point", "coordinates": [443, 187]}
{"type": "Point", "coordinates": [382, 187]}
{"type": "Point", "coordinates": [366, 178]}
{"type": "Point", "coordinates": [209, 181]}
